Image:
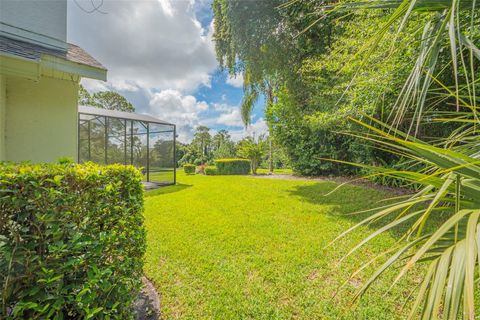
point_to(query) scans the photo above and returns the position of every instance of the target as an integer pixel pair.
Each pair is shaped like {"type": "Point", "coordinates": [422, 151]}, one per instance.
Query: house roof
{"type": "Point", "coordinates": [34, 52]}
{"type": "Point", "coordinates": [120, 115]}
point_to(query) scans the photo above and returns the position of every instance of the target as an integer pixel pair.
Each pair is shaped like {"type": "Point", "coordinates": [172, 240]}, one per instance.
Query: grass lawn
{"type": "Point", "coordinates": [240, 247]}
{"type": "Point", "coordinates": [164, 176]}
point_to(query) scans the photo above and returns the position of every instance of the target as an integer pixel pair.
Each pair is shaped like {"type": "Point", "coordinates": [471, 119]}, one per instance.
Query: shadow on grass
{"type": "Point", "coordinates": [350, 199]}
{"type": "Point", "coordinates": [169, 189]}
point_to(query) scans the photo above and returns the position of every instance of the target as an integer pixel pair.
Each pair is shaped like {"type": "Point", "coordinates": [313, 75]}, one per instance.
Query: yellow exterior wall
{"type": "Point", "coordinates": [41, 119]}
{"type": "Point", "coordinates": [3, 104]}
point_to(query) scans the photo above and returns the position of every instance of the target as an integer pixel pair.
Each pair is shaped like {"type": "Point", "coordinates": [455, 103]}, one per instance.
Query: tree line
{"type": "Point", "coordinates": [205, 148]}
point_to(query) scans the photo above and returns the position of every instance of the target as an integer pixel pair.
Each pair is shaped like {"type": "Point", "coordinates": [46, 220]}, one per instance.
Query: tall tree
{"type": "Point", "coordinates": [111, 100]}
{"type": "Point", "coordinates": [248, 41]}
{"type": "Point", "coordinates": [222, 145]}
{"type": "Point", "coordinates": [84, 97]}
{"type": "Point", "coordinates": [202, 140]}
{"type": "Point", "coordinates": [221, 137]}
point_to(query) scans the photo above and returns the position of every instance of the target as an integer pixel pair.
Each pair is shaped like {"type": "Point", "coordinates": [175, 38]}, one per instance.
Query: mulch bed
{"type": "Point", "coordinates": [147, 306]}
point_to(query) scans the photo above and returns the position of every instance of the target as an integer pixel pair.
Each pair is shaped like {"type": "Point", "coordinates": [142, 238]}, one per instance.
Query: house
{"type": "Point", "coordinates": [39, 81]}
{"type": "Point", "coordinates": [40, 120]}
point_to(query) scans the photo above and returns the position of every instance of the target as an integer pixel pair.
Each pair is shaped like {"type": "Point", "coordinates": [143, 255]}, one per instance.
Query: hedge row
{"type": "Point", "coordinates": [210, 170]}
{"type": "Point", "coordinates": [71, 241]}
{"type": "Point", "coordinates": [232, 166]}
{"type": "Point", "coordinates": [189, 168]}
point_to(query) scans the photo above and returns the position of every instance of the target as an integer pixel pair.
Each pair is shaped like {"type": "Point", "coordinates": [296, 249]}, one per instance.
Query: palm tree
{"type": "Point", "coordinates": [450, 180]}
{"type": "Point", "coordinates": [253, 150]}
{"type": "Point", "coordinates": [221, 137]}
{"type": "Point", "coordinates": [251, 92]}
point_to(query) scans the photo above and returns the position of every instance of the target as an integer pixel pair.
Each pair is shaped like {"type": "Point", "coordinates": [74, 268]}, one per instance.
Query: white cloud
{"type": "Point", "coordinates": [255, 129]}
{"type": "Point", "coordinates": [231, 118]}
{"type": "Point", "coordinates": [184, 110]}
{"type": "Point", "coordinates": [235, 81]}
{"type": "Point", "coordinates": [95, 85]}
{"type": "Point", "coordinates": [229, 115]}
{"type": "Point", "coordinates": [222, 107]}
{"type": "Point", "coordinates": [151, 44]}
{"type": "Point", "coordinates": [259, 127]}
{"type": "Point", "coordinates": [166, 7]}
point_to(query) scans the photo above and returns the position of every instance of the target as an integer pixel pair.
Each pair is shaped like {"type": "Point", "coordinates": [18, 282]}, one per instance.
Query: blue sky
{"type": "Point", "coordinates": [160, 56]}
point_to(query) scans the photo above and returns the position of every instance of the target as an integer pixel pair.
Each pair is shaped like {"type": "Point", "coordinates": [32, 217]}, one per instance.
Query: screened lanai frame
{"type": "Point", "coordinates": [110, 136]}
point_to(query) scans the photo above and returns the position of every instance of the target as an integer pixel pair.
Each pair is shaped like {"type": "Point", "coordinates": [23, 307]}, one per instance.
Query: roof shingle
{"type": "Point", "coordinates": [34, 51]}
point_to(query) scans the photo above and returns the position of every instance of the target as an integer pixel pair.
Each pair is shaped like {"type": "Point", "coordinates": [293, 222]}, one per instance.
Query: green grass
{"type": "Point", "coordinates": [161, 176]}
{"type": "Point", "coordinates": [240, 247]}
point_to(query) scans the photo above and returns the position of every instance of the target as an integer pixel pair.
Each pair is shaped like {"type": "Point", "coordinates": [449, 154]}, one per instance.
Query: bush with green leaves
{"type": "Point", "coordinates": [72, 240]}
{"type": "Point", "coordinates": [189, 168]}
{"type": "Point", "coordinates": [253, 150]}
{"type": "Point", "coordinates": [232, 166]}
{"type": "Point", "coordinates": [210, 170]}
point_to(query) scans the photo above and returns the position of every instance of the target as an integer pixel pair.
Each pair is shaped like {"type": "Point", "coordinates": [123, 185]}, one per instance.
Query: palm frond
{"type": "Point", "coordinates": [249, 99]}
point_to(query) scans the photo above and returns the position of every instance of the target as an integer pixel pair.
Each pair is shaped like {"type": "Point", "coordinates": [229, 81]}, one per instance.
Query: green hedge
{"type": "Point", "coordinates": [72, 241]}
{"type": "Point", "coordinates": [189, 168]}
{"type": "Point", "coordinates": [210, 170]}
{"type": "Point", "coordinates": [232, 166]}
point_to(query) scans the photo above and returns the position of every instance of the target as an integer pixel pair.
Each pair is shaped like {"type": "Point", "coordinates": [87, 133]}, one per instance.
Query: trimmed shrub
{"type": "Point", "coordinates": [210, 170]}
{"type": "Point", "coordinates": [232, 166]}
{"type": "Point", "coordinates": [72, 240]}
{"type": "Point", "coordinates": [189, 168]}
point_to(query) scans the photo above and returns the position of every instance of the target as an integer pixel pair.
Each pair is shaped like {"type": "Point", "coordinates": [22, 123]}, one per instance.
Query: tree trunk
{"type": "Point", "coordinates": [254, 167]}
{"type": "Point", "coordinates": [269, 103]}
{"type": "Point", "coordinates": [270, 156]}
